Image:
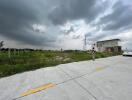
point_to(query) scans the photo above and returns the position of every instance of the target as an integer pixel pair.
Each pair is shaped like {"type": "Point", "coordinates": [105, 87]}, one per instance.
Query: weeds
{"type": "Point", "coordinates": [32, 60]}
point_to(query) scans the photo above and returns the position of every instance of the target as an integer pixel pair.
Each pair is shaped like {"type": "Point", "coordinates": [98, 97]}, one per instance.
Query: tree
{"type": "Point", "coordinates": [1, 44]}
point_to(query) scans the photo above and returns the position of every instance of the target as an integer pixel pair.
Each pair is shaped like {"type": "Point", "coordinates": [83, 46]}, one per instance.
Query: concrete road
{"type": "Point", "coordinates": [102, 79]}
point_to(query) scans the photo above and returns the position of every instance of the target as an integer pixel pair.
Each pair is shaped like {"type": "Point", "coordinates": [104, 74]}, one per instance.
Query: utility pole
{"type": "Point", "coordinates": [85, 43]}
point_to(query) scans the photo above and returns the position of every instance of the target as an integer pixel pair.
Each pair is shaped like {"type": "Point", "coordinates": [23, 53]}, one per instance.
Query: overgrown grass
{"type": "Point", "coordinates": [31, 60]}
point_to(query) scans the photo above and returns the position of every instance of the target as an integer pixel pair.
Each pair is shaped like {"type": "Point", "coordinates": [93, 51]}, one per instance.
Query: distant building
{"type": "Point", "coordinates": [109, 45]}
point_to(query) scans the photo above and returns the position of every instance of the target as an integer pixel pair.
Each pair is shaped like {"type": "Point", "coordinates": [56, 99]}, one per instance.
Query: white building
{"type": "Point", "coordinates": [109, 45]}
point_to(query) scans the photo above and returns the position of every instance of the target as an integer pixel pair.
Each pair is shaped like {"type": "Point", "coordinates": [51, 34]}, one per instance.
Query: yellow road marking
{"type": "Point", "coordinates": [29, 92]}
{"type": "Point", "coordinates": [49, 85]}
{"type": "Point", "coordinates": [99, 68]}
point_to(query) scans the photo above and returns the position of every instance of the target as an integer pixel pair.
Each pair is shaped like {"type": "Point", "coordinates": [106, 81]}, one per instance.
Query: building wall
{"type": "Point", "coordinates": [102, 46]}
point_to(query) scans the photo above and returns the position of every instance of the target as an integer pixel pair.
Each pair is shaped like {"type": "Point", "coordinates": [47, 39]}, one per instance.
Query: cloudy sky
{"type": "Point", "coordinates": [55, 24]}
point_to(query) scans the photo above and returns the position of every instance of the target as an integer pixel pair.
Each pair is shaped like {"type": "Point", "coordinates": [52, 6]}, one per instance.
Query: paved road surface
{"type": "Point", "coordinates": [103, 79]}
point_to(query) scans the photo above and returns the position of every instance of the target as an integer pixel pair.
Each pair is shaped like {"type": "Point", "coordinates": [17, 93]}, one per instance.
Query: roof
{"type": "Point", "coordinates": [109, 40]}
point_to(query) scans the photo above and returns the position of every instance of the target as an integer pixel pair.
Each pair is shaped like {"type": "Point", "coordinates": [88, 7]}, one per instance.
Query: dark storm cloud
{"type": "Point", "coordinates": [113, 23]}
{"type": "Point", "coordinates": [16, 20]}
{"type": "Point", "coordinates": [76, 9]}
{"type": "Point", "coordinates": [119, 19]}
{"type": "Point", "coordinates": [18, 16]}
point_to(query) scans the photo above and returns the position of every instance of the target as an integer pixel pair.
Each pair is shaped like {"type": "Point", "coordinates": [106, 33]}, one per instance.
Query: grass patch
{"type": "Point", "coordinates": [31, 60]}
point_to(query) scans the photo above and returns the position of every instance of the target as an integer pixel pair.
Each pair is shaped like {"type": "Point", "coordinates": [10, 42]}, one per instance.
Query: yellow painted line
{"type": "Point", "coordinates": [32, 91]}
{"type": "Point", "coordinates": [99, 69]}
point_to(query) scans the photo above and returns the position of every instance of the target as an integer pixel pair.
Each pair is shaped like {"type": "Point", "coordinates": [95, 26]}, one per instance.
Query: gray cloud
{"type": "Point", "coordinates": [113, 23]}
{"type": "Point", "coordinates": [68, 31]}
{"type": "Point", "coordinates": [17, 18]}
{"type": "Point", "coordinates": [119, 19]}
{"type": "Point", "coordinates": [95, 37]}
{"type": "Point", "coordinates": [76, 36]}
{"type": "Point", "coordinates": [69, 10]}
